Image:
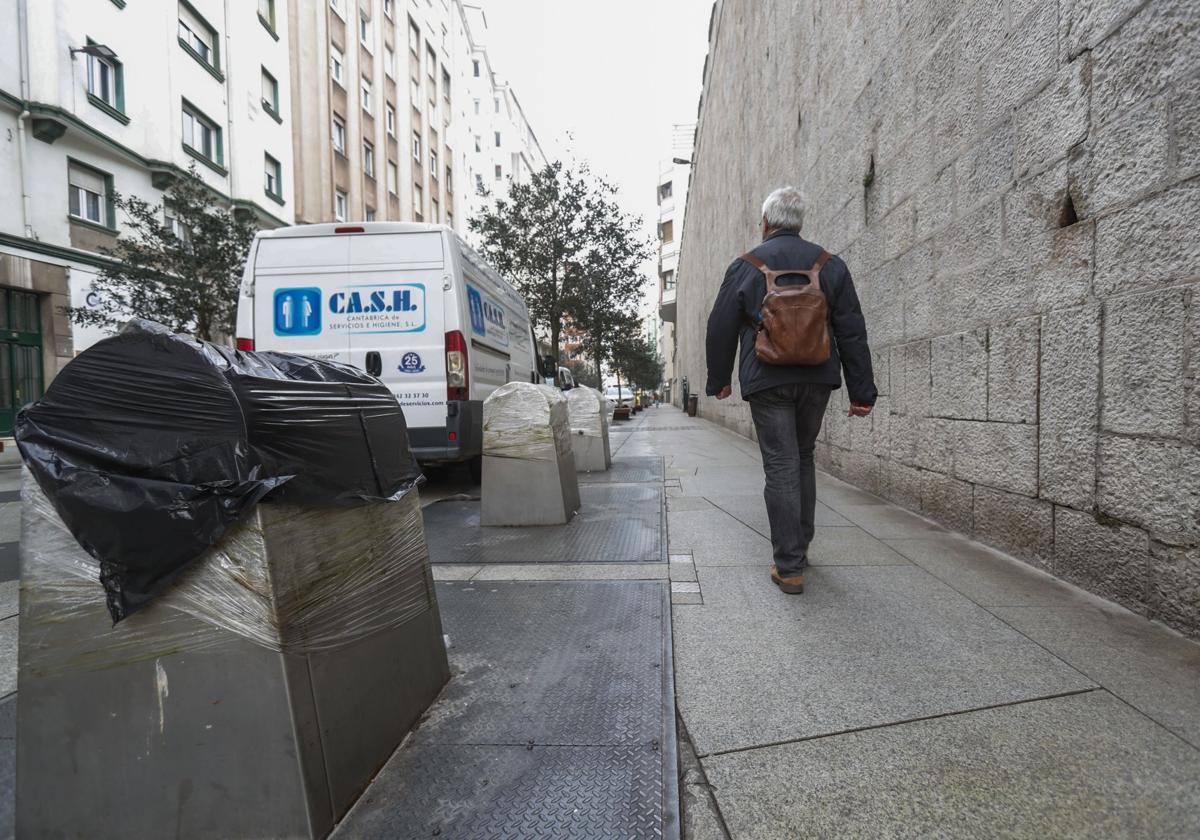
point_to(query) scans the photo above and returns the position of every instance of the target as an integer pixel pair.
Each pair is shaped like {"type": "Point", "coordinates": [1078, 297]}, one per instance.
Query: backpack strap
{"type": "Point", "coordinates": [755, 261]}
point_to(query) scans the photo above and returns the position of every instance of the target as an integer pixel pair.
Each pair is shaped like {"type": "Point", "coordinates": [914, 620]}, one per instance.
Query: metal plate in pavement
{"type": "Point", "coordinates": [617, 523]}
{"type": "Point", "coordinates": [635, 469]}
{"type": "Point", "coordinates": [558, 722]}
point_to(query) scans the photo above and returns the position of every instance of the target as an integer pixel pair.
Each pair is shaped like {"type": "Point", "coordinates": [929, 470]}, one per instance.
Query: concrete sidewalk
{"type": "Point", "coordinates": [924, 685]}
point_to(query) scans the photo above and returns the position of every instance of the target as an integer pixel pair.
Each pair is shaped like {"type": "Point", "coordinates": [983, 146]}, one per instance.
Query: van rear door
{"type": "Point", "coordinates": [391, 309]}
{"type": "Point", "coordinates": [292, 276]}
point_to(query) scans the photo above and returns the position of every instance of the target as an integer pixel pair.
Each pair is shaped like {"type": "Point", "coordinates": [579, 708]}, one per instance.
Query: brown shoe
{"type": "Point", "coordinates": [792, 585]}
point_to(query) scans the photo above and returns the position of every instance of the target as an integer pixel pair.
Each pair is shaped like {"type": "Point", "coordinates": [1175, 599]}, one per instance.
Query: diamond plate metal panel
{"type": "Point", "coordinates": [634, 469]}
{"type": "Point", "coordinates": [558, 722]}
{"type": "Point", "coordinates": [587, 670]}
{"type": "Point", "coordinates": [617, 523]}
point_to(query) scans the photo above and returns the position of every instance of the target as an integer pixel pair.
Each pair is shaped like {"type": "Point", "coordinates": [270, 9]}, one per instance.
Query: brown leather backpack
{"type": "Point", "coordinates": [793, 327]}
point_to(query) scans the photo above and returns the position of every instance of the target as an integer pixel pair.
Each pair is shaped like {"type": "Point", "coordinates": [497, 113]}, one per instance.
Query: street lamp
{"type": "Point", "coordinates": [97, 50]}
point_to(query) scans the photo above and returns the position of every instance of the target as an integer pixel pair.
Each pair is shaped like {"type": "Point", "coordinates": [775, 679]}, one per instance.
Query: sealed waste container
{"type": "Point", "coordinates": [194, 663]}
{"type": "Point", "coordinates": [588, 411]}
{"type": "Point", "coordinates": [528, 467]}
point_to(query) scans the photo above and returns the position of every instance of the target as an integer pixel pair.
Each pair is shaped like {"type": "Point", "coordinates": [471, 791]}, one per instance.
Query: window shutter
{"type": "Point", "coordinates": [77, 176]}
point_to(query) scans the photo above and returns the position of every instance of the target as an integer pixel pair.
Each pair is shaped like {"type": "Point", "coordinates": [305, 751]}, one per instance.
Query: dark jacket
{"type": "Point", "coordinates": [741, 296]}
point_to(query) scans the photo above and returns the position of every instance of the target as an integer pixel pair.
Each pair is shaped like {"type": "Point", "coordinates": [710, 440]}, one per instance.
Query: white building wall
{"type": "Point", "coordinates": [146, 148]}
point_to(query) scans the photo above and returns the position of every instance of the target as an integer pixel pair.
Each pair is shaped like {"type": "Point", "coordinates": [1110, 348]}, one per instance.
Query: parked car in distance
{"type": "Point", "coordinates": [621, 400]}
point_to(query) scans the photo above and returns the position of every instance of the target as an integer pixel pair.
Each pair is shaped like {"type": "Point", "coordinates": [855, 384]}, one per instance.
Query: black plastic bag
{"type": "Point", "coordinates": [152, 445]}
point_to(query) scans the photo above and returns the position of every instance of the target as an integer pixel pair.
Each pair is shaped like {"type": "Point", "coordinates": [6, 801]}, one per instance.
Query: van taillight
{"type": "Point", "coordinates": [350, 229]}
{"type": "Point", "coordinates": [245, 344]}
{"type": "Point", "coordinates": [457, 379]}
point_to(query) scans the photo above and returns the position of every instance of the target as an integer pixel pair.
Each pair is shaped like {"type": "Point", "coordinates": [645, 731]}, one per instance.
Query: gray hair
{"type": "Point", "coordinates": [784, 208]}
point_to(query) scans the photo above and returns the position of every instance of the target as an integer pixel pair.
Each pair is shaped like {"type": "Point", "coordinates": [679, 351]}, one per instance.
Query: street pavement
{"type": "Point", "coordinates": [923, 685]}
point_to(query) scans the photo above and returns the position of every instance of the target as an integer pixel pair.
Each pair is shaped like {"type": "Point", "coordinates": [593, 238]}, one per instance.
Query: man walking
{"type": "Point", "coordinates": [787, 400]}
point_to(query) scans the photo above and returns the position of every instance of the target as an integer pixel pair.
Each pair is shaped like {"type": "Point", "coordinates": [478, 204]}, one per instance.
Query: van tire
{"type": "Point", "coordinates": [475, 467]}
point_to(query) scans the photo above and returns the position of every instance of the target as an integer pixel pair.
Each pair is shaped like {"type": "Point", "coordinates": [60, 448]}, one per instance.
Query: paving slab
{"type": "Point", "coordinates": [10, 592]}
{"type": "Point", "coordinates": [863, 646]}
{"type": "Point", "coordinates": [8, 655]}
{"type": "Point", "coordinates": [676, 504]}
{"type": "Point", "coordinates": [710, 530]}
{"type": "Point", "coordinates": [889, 522]}
{"type": "Point", "coordinates": [573, 571]}
{"type": "Point", "coordinates": [1148, 666]}
{"type": "Point", "coordinates": [751, 510]}
{"type": "Point", "coordinates": [851, 547]}
{"type": "Point", "coordinates": [836, 493]}
{"type": "Point", "coordinates": [8, 767]}
{"type": "Point", "coordinates": [557, 721]}
{"type": "Point", "coordinates": [987, 576]}
{"type": "Point", "coordinates": [616, 523]}
{"type": "Point", "coordinates": [454, 571]}
{"type": "Point", "coordinates": [1080, 766]}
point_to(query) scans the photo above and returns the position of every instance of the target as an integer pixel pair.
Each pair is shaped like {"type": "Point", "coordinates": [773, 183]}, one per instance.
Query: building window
{"type": "Point", "coordinates": [393, 178]}
{"type": "Point", "coordinates": [176, 227]}
{"type": "Point", "coordinates": [366, 94]}
{"type": "Point", "coordinates": [446, 85]}
{"type": "Point", "coordinates": [668, 279]}
{"type": "Point", "coordinates": [431, 63]}
{"type": "Point", "coordinates": [499, 173]}
{"type": "Point", "coordinates": [266, 14]}
{"type": "Point", "coordinates": [273, 173]}
{"type": "Point", "coordinates": [364, 30]}
{"type": "Point", "coordinates": [498, 144]}
{"type": "Point", "coordinates": [368, 159]}
{"type": "Point", "coordinates": [414, 37]}
{"type": "Point", "coordinates": [475, 65]}
{"type": "Point", "coordinates": [198, 37]}
{"type": "Point", "coordinates": [387, 8]}
{"type": "Point", "coordinates": [339, 206]}
{"type": "Point", "coordinates": [390, 119]}
{"type": "Point", "coordinates": [416, 149]}
{"type": "Point", "coordinates": [449, 180]}
{"type": "Point", "coordinates": [339, 135]}
{"type": "Point", "coordinates": [414, 92]}
{"type": "Point", "coordinates": [201, 136]}
{"type": "Point", "coordinates": [478, 143]}
{"type": "Point", "coordinates": [434, 210]}
{"type": "Point", "coordinates": [336, 61]}
{"type": "Point", "coordinates": [478, 183]}
{"type": "Point", "coordinates": [496, 102]}
{"type": "Point", "coordinates": [666, 231]}
{"type": "Point", "coordinates": [664, 191]}
{"type": "Point", "coordinates": [418, 203]}
{"type": "Point", "coordinates": [270, 94]}
{"type": "Point", "coordinates": [106, 83]}
{"type": "Point", "coordinates": [89, 194]}
{"type": "Point", "coordinates": [370, 215]}
{"type": "Point", "coordinates": [389, 61]}
{"type": "Point", "coordinates": [336, 5]}
{"type": "Point", "coordinates": [476, 107]}
{"type": "Point", "coordinates": [434, 169]}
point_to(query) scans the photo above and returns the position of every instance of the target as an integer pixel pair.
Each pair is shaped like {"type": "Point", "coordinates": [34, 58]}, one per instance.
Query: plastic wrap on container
{"type": "Point", "coordinates": [289, 578]}
{"type": "Point", "coordinates": [526, 421]}
{"type": "Point", "coordinates": [589, 411]}
{"type": "Point", "coordinates": [151, 445]}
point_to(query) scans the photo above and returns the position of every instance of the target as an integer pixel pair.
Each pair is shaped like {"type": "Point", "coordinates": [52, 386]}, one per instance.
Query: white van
{"type": "Point", "coordinates": [411, 304]}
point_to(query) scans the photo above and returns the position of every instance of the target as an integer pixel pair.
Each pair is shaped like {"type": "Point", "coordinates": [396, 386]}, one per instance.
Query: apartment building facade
{"type": "Point", "coordinates": [672, 202]}
{"type": "Point", "coordinates": [397, 114]}
{"type": "Point", "coordinates": [101, 98]}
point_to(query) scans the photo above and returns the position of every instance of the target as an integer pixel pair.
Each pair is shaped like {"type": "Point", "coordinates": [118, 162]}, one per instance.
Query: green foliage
{"type": "Point", "coordinates": [636, 361]}
{"type": "Point", "coordinates": [189, 284]}
{"type": "Point", "coordinates": [570, 250]}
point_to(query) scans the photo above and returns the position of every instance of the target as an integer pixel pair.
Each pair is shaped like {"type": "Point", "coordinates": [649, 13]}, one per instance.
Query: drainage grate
{"type": "Point", "coordinates": [617, 523]}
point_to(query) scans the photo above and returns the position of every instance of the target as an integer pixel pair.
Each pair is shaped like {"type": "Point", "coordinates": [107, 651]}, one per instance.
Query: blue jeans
{"type": "Point", "coordinates": [788, 419]}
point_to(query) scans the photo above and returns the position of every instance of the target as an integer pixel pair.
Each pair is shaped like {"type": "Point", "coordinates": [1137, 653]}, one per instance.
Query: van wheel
{"type": "Point", "coordinates": [475, 467]}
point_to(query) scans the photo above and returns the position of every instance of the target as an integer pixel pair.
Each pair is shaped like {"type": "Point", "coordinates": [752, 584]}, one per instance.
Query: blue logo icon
{"type": "Point", "coordinates": [297, 311]}
{"type": "Point", "coordinates": [475, 302]}
{"type": "Point", "coordinates": [411, 363]}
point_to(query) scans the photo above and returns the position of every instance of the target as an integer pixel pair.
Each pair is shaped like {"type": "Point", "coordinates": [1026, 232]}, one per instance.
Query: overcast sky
{"type": "Point", "coordinates": [604, 82]}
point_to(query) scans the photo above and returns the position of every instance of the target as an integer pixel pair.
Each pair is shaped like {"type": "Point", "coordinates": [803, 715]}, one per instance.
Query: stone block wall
{"type": "Point", "coordinates": [1015, 185]}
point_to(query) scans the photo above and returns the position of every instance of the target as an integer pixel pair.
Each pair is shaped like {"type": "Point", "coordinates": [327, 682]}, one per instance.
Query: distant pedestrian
{"type": "Point", "coordinates": [794, 344]}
